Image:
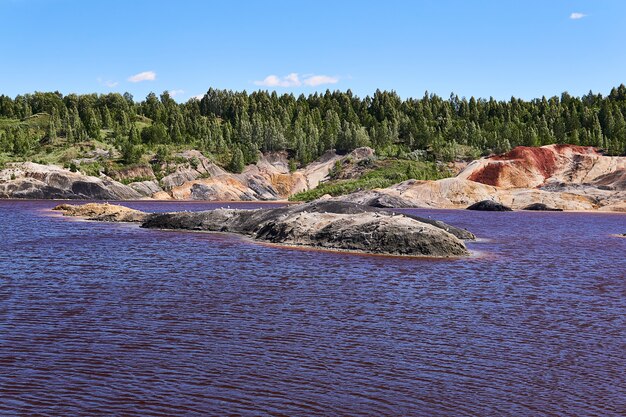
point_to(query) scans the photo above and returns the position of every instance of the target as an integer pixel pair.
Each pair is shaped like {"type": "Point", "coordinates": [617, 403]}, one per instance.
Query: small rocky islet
{"type": "Point", "coordinates": [323, 224]}
{"type": "Point", "coordinates": [489, 205]}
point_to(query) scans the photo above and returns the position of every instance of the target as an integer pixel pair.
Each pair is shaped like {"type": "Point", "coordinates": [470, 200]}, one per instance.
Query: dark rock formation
{"type": "Point", "coordinates": [456, 231]}
{"type": "Point", "coordinates": [325, 224]}
{"type": "Point", "coordinates": [334, 206]}
{"type": "Point", "coordinates": [489, 205]}
{"type": "Point", "coordinates": [540, 207]}
{"type": "Point", "coordinates": [372, 198]}
{"type": "Point", "coordinates": [388, 201]}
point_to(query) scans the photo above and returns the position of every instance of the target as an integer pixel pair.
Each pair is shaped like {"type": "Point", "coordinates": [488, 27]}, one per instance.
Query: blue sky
{"type": "Point", "coordinates": [498, 48]}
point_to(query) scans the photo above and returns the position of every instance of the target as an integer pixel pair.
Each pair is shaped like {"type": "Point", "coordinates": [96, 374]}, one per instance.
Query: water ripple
{"type": "Point", "coordinates": [110, 319]}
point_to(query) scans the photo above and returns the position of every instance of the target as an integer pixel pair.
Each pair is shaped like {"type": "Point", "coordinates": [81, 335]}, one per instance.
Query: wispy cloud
{"type": "Point", "coordinates": [174, 93]}
{"type": "Point", "coordinates": [294, 80]}
{"type": "Point", "coordinates": [291, 80]}
{"type": "Point", "coordinates": [577, 16]}
{"type": "Point", "coordinates": [107, 83]}
{"type": "Point", "coordinates": [198, 97]}
{"type": "Point", "coordinates": [315, 80]}
{"type": "Point", "coordinates": [143, 76]}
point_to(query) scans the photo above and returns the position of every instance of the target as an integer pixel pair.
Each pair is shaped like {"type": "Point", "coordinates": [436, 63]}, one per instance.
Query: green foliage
{"type": "Point", "coordinates": [204, 175]}
{"type": "Point", "coordinates": [154, 134]}
{"type": "Point", "coordinates": [307, 127]}
{"type": "Point", "coordinates": [388, 173]}
{"type": "Point", "coordinates": [237, 163]}
{"type": "Point", "coordinates": [130, 180]}
{"type": "Point", "coordinates": [92, 169]}
{"type": "Point", "coordinates": [162, 153]}
{"type": "Point", "coordinates": [131, 154]}
{"type": "Point", "coordinates": [335, 170]}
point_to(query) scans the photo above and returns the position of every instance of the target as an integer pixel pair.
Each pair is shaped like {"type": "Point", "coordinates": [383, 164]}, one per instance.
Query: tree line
{"type": "Point", "coordinates": [240, 124]}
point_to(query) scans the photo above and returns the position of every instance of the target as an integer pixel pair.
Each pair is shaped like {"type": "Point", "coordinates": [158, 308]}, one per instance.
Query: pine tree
{"type": "Point", "coordinates": [344, 139]}
{"type": "Point", "coordinates": [531, 137]}
{"type": "Point", "coordinates": [237, 161]}
{"type": "Point", "coordinates": [133, 135]}
{"type": "Point", "coordinates": [69, 134]}
{"type": "Point", "coordinates": [51, 131]}
{"type": "Point", "coordinates": [107, 120]}
{"type": "Point", "coordinates": [92, 125]}
{"type": "Point", "coordinates": [596, 132]}
{"type": "Point", "coordinates": [331, 128]}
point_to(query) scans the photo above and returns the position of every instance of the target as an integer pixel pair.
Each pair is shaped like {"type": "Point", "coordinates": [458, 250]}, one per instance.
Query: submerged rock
{"type": "Point", "coordinates": [489, 205]}
{"type": "Point", "coordinates": [326, 224]}
{"type": "Point", "coordinates": [540, 207]}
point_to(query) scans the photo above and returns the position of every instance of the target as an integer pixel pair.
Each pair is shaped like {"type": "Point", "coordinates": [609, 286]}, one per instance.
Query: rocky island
{"type": "Point", "coordinates": [324, 225]}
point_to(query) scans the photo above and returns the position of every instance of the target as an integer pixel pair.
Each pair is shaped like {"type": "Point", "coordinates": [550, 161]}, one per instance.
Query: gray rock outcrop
{"type": "Point", "coordinates": [328, 225]}
{"type": "Point", "coordinates": [35, 181]}
{"type": "Point", "coordinates": [325, 225]}
{"type": "Point", "coordinates": [489, 205]}
{"type": "Point", "coordinates": [540, 207]}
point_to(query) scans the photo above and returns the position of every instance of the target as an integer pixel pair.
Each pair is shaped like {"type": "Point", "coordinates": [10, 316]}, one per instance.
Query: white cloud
{"type": "Point", "coordinates": [198, 97]}
{"type": "Point", "coordinates": [576, 16]}
{"type": "Point", "coordinates": [107, 83]}
{"type": "Point", "coordinates": [293, 80]}
{"type": "Point", "coordinates": [143, 76]}
{"type": "Point", "coordinates": [316, 80]}
{"type": "Point", "coordinates": [174, 93]}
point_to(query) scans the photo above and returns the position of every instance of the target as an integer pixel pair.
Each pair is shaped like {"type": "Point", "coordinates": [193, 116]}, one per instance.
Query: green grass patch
{"type": "Point", "coordinates": [92, 169]}
{"type": "Point", "coordinates": [60, 152]}
{"type": "Point", "coordinates": [127, 181]}
{"type": "Point", "coordinates": [383, 174]}
{"type": "Point", "coordinates": [8, 122]}
{"type": "Point", "coordinates": [4, 159]}
{"type": "Point", "coordinates": [37, 121]}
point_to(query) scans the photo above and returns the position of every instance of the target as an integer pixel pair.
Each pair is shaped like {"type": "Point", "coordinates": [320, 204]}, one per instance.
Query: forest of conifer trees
{"type": "Point", "coordinates": [231, 123]}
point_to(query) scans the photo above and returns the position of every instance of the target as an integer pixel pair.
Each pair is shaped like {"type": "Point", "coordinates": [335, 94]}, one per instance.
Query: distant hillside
{"type": "Point", "coordinates": [232, 127]}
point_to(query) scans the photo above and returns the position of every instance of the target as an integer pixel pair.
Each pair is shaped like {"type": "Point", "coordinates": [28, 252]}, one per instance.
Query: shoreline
{"type": "Point", "coordinates": [333, 227]}
{"type": "Point", "coordinates": [282, 202]}
{"type": "Point", "coordinates": [473, 254]}
{"type": "Point", "coordinates": [305, 248]}
{"type": "Point", "coordinates": [152, 200]}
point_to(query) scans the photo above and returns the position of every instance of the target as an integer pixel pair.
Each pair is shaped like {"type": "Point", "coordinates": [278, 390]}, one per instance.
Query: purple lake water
{"type": "Point", "coordinates": [111, 319]}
